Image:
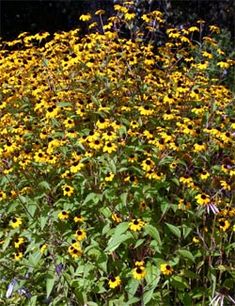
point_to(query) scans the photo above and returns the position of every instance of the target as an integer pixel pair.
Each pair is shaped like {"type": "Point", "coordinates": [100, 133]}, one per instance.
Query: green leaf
{"type": "Point", "coordinates": [92, 197]}
{"type": "Point", "coordinates": [148, 296]}
{"type": "Point", "coordinates": [121, 228]}
{"type": "Point", "coordinates": [153, 232]}
{"type": "Point", "coordinates": [123, 198]}
{"type": "Point", "coordinates": [115, 241]}
{"type": "Point", "coordinates": [176, 181]}
{"type": "Point", "coordinates": [132, 287]}
{"type": "Point", "coordinates": [34, 258]}
{"type": "Point", "coordinates": [186, 254]}
{"type": "Point", "coordinates": [50, 282]}
{"type": "Point", "coordinates": [64, 104]}
{"type": "Point", "coordinates": [32, 301]}
{"type": "Point", "coordinates": [186, 231]}
{"type": "Point", "coordinates": [174, 230]}
{"type": "Point", "coordinates": [138, 243]}
{"type": "Point", "coordinates": [45, 185]}
{"type": "Point", "coordinates": [179, 282]}
{"type": "Point", "coordinates": [106, 212]}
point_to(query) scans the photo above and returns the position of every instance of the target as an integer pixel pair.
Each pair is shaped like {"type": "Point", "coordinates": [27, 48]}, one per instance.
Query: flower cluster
{"type": "Point", "coordinates": [111, 151]}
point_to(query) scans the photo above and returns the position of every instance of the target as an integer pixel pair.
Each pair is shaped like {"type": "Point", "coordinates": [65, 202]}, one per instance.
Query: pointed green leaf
{"type": "Point", "coordinates": [174, 230]}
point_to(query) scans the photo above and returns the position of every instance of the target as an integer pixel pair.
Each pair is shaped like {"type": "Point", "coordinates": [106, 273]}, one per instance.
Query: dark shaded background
{"type": "Point", "coordinates": [43, 15]}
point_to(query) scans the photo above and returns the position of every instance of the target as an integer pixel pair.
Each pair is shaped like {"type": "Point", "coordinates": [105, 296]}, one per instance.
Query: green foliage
{"type": "Point", "coordinates": [117, 167]}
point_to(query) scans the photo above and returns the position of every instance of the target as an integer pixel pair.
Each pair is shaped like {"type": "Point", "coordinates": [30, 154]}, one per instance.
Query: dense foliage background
{"type": "Point", "coordinates": [117, 162]}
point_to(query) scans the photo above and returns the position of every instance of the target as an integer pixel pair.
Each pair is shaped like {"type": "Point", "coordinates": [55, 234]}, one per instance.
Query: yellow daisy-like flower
{"type": "Point", "coordinates": [110, 147]}
{"type": "Point", "coordinates": [204, 175]}
{"type": "Point", "coordinates": [199, 147]}
{"type": "Point", "coordinates": [78, 219]}
{"type": "Point", "coordinates": [80, 234]}
{"type": "Point", "coordinates": [116, 217]}
{"type": "Point", "coordinates": [18, 256]}
{"type": "Point", "coordinates": [225, 185]}
{"type": "Point", "coordinates": [145, 110]}
{"type": "Point", "coordinates": [187, 180]}
{"type": "Point", "coordinates": [129, 16]}
{"type": "Point", "coordinates": [202, 199]}
{"type": "Point", "coordinates": [63, 215]}
{"type": "Point", "coordinates": [2, 195]}
{"type": "Point", "coordinates": [136, 225]}
{"type": "Point", "coordinates": [69, 123]}
{"type": "Point", "coordinates": [224, 224]}
{"type": "Point", "coordinates": [195, 240]}
{"type": "Point", "coordinates": [109, 177]}
{"type": "Point", "coordinates": [147, 164]}
{"type": "Point", "coordinates": [85, 17]}
{"type": "Point", "coordinates": [223, 65]}
{"type": "Point", "coordinates": [166, 269]}
{"type": "Point", "coordinates": [68, 190]}
{"type": "Point", "coordinates": [43, 248]}
{"type": "Point", "coordinates": [139, 263]}
{"type": "Point", "coordinates": [114, 281]}
{"type": "Point", "coordinates": [15, 222]}
{"type": "Point", "coordinates": [18, 242]}
{"type": "Point", "coordinates": [139, 272]}
{"type": "Point", "coordinates": [75, 250]}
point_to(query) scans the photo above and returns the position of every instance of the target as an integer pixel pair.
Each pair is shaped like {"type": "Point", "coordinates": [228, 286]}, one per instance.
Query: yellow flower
{"type": "Point", "coordinates": [225, 185]}
{"type": "Point", "coordinates": [139, 272]}
{"type": "Point", "coordinates": [109, 177]}
{"type": "Point", "coordinates": [202, 199]}
{"type": "Point", "coordinates": [116, 217]}
{"type": "Point", "coordinates": [75, 250]}
{"type": "Point", "coordinates": [18, 242]}
{"type": "Point", "coordinates": [147, 164]}
{"type": "Point", "coordinates": [85, 17]}
{"type": "Point", "coordinates": [187, 180]}
{"type": "Point", "coordinates": [18, 256]}
{"type": "Point", "coordinates": [199, 147]}
{"type": "Point", "coordinates": [78, 219]}
{"type": "Point", "coordinates": [43, 248]}
{"type": "Point", "coordinates": [110, 147]}
{"type": "Point", "coordinates": [136, 225]}
{"type": "Point", "coordinates": [224, 224]}
{"type": "Point", "coordinates": [129, 16]}
{"type": "Point", "coordinates": [145, 110]}
{"type": "Point", "coordinates": [96, 144]}
{"type": "Point", "coordinates": [2, 195]}
{"type": "Point", "coordinates": [193, 29]}
{"type": "Point", "coordinates": [204, 175]}
{"type": "Point", "coordinates": [196, 240]}
{"type": "Point", "coordinates": [145, 18]}
{"type": "Point", "coordinates": [166, 269]}
{"type": "Point", "coordinates": [139, 263]}
{"type": "Point", "coordinates": [214, 29]}
{"type": "Point", "coordinates": [114, 282]}
{"type": "Point", "coordinates": [63, 215]}
{"type": "Point", "coordinates": [99, 12]}
{"type": "Point", "coordinates": [223, 65]}
{"type": "Point", "coordinates": [68, 190]}
{"type": "Point", "coordinates": [15, 222]}
{"type": "Point", "coordinates": [69, 123]}
{"type": "Point", "coordinates": [80, 234]}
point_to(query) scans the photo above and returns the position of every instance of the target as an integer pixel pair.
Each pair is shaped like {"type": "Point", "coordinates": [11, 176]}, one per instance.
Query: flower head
{"type": "Point", "coordinates": [63, 215]}
{"type": "Point", "coordinates": [166, 269]}
{"type": "Point", "coordinates": [15, 222]}
{"type": "Point", "coordinates": [68, 190]}
{"type": "Point", "coordinates": [80, 234]}
{"type": "Point", "coordinates": [136, 225]}
{"type": "Point", "coordinates": [114, 281]}
{"type": "Point", "coordinates": [139, 272]}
